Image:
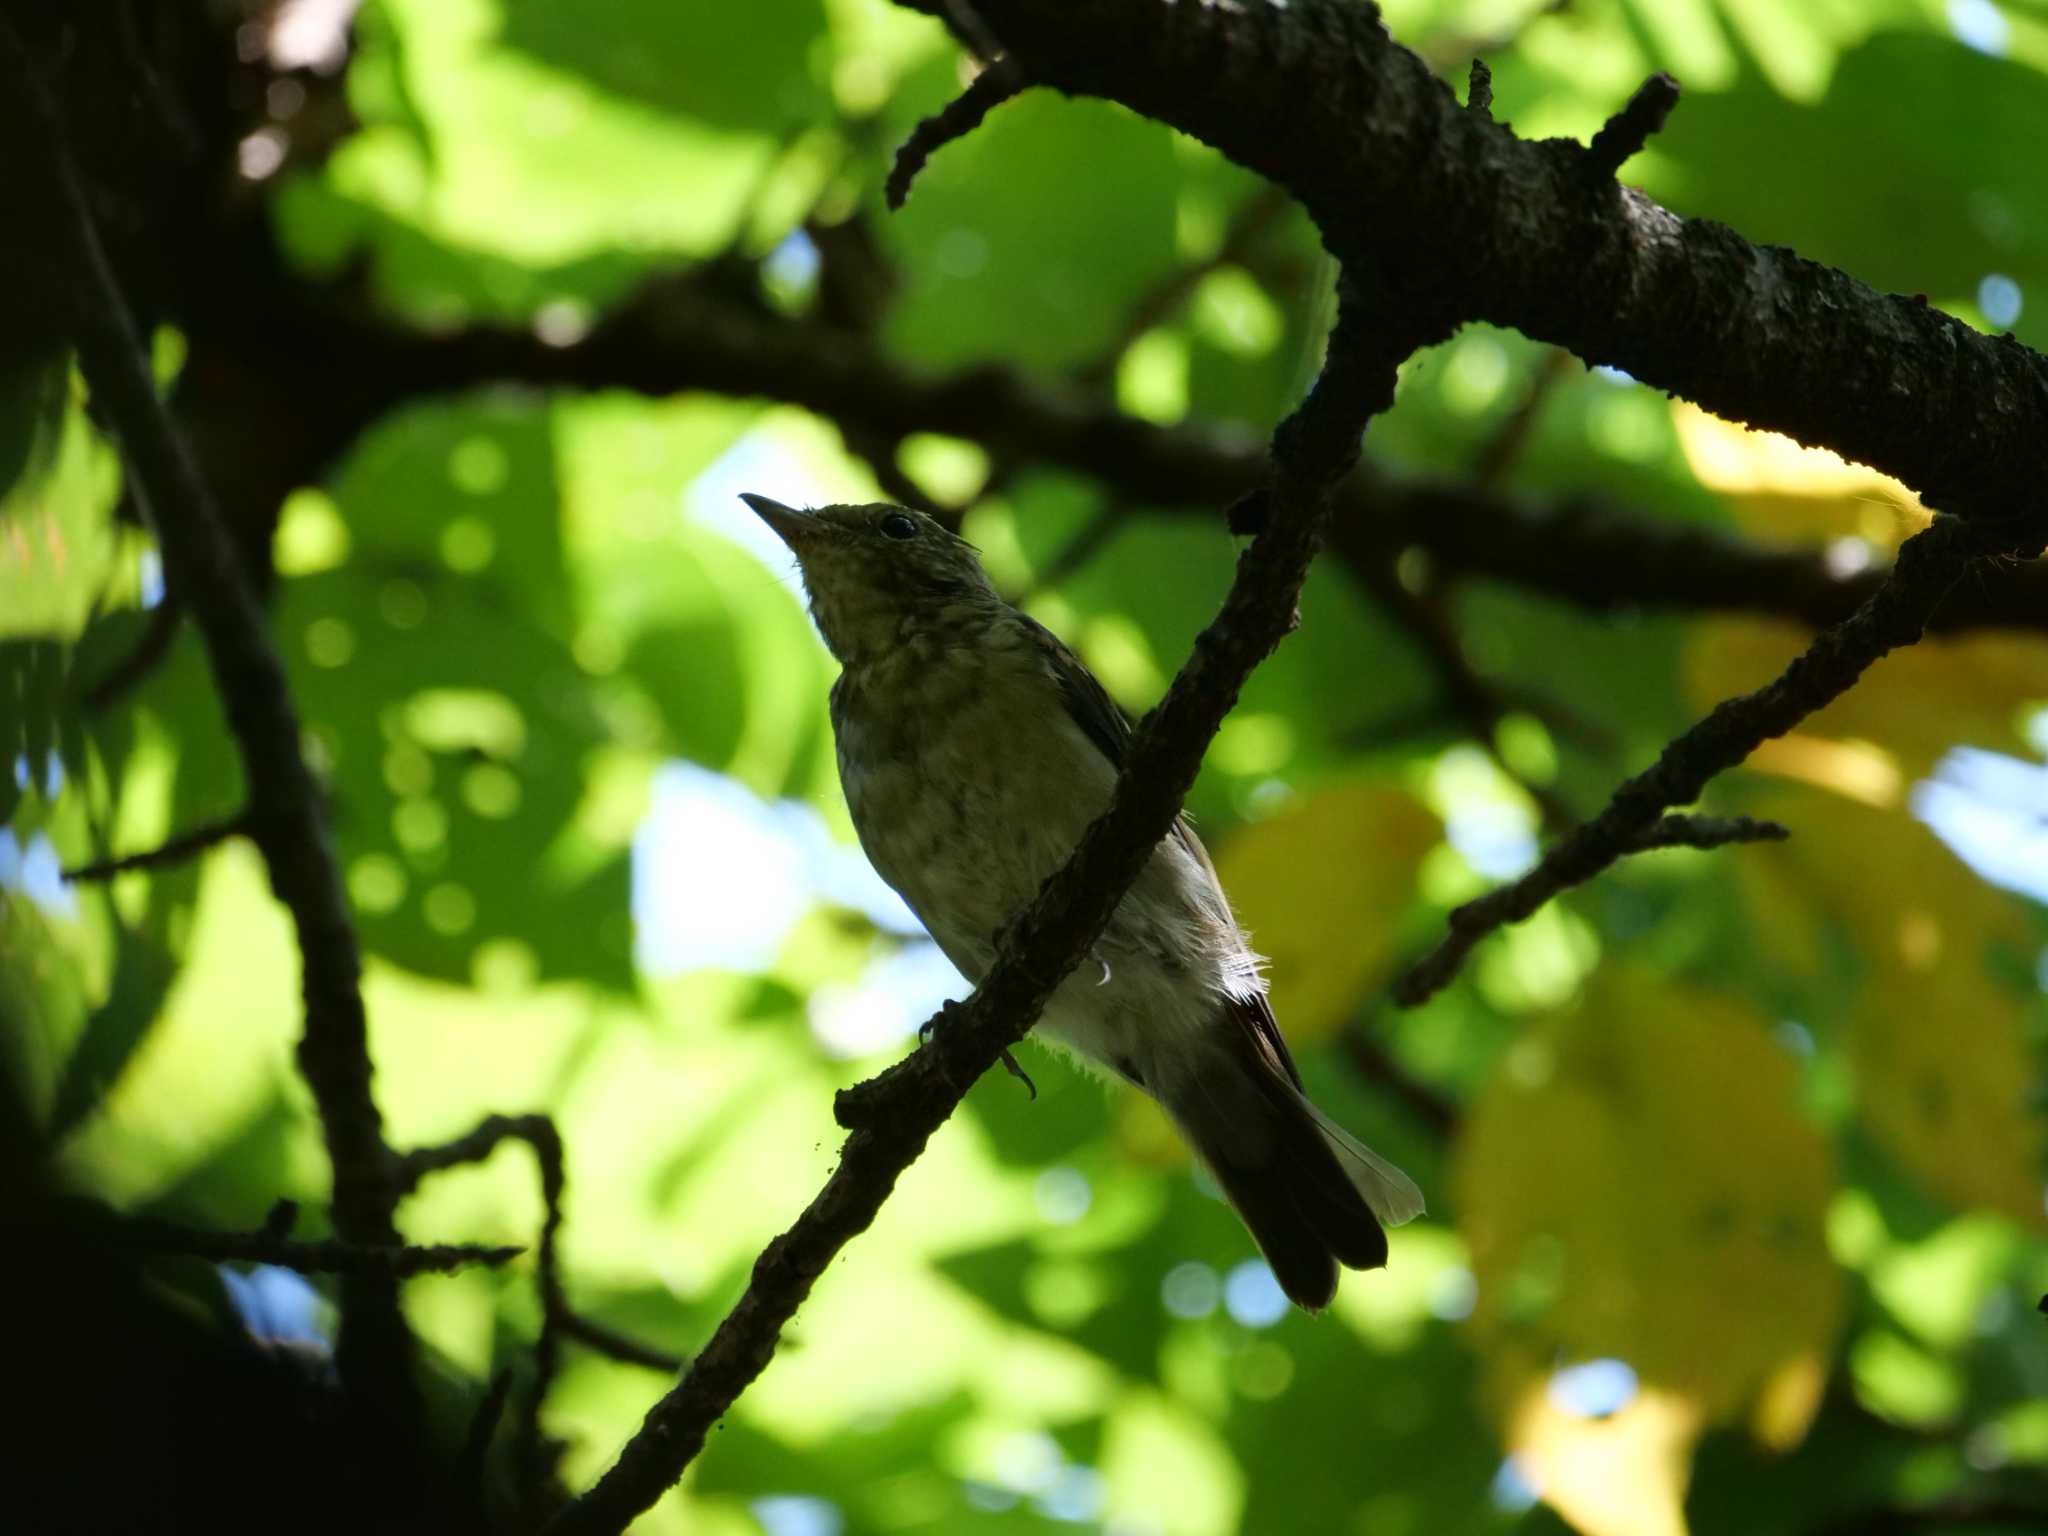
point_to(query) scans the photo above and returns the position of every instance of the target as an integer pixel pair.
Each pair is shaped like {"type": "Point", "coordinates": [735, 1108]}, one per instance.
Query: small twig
{"type": "Point", "coordinates": [1624, 134]}
{"type": "Point", "coordinates": [150, 649]}
{"type": "Point", "coordinates": [331, 1256]}
{"type": "Point", "coordinates": [1710, 832]}
{"type": "Point", "coordinates": [559, 1320]}
{"type": "Point", "coordinates": [1928, 565]}
{"type": "Point", "coordinates": [176, 851]}
{"type": "Point", "coordinates": [1505, 445]}
{"type": "Point", "coordinates": [613, 1345]}
{"type": "Point", "coordinates": [1479, 90]}
{"type": "Point", "coordinates": [959, 117]}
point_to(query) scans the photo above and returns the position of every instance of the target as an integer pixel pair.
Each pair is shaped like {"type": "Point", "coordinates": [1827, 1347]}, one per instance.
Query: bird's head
{"type": "Point", "coordinates": [879, 575]}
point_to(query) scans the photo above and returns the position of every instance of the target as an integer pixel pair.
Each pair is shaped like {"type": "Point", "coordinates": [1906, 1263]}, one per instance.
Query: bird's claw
{"type": "Point", "coordinates": [1015, 1070]}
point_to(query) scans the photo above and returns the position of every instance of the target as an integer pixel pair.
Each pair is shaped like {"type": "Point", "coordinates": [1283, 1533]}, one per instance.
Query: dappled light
{"type": "Point", "coordinates": [472, 321]}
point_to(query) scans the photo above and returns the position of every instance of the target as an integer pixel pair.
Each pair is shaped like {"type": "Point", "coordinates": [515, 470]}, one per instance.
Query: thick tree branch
{"type": "Point", "coordinates": [1929, 563]}
{"type": "Point", "coordinates": [375, 1350]}
{"type": "Point", "coordinates": [892, 1117]}
{"type": "Point", "coordinates": [1316, 97]}
{"type": "Point", "coordinates": [676, 338]}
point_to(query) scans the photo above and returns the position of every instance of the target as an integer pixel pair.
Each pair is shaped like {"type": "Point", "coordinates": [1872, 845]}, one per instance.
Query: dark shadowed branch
{"type": "Point", "coordinates": [678, 336]}
{"type": "Point", "coordinates": [559, 1320]}
{"type": "Point", "coordinates": [1896, 614]}
{"type": "Point", "coordinates": [1460, 211]}
{"type": "Point", "coordinates": [959, 117]}
{"type": "Point", "coordinates": [176, 851]}
{"type": "Point", "coordinates": [331, 1256]}
{"type": "Point", "coordinates": [375, 1349]}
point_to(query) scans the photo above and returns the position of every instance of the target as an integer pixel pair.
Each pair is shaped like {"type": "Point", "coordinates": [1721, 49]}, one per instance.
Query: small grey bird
{"type": "Point", "coordinates": [975, 749]}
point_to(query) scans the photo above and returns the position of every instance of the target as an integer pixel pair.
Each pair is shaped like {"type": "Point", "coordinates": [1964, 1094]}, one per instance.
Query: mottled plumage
{"type": "Point", "coordinates": [975, 749]}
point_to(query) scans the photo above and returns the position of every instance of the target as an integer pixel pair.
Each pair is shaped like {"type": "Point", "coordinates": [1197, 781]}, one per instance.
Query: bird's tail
{"type": "Point", "coordinates": [1312, 1196]}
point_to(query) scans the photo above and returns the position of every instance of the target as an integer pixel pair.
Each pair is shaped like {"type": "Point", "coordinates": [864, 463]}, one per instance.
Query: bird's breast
{"type": "Point", "coordinates": [968, 786]}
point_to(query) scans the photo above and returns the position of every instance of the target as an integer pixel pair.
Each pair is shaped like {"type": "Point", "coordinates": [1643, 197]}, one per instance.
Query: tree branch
{"type": "Point", "coordinates": [559, 1320]}
{"type": "Point", "coordinates": [892, 1116]}
{"type": "Point", "coordinates": [673, 338]}
{"type": "Point", "coordinates": [1929, 563]}
{"type": "Point", "coordinates": [375, 1350]}
{"type": "Point", "coordinates": [958, 118]}
{"type": "Point", "coordinates": [176, 851]}
{"type": "Point", "coordinates": [1316, 97]}
{"type": "Point", "coordinates": [328, 1256]}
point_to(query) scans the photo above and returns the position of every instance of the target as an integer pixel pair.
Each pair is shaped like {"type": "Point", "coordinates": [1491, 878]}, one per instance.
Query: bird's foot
{"type": "Point", "coordinates": [1015, 1070]}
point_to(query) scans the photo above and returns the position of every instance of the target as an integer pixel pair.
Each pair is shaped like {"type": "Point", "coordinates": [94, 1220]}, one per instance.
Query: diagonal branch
{"type": "Point", "coordinates": [375, 1350]}
{"type": "Point", "coordinates": [1929, 564]}
{"type": "Point", "coordinates": [175, 851]}
{"type": "Point", "coordinates": [958, 118]}
{"type": "Point", "coordinates": [892, 1116]}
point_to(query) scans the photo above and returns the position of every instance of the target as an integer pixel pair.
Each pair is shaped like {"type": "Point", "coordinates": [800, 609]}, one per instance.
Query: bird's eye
{"type": "Point", "coordinates": [898, 525]}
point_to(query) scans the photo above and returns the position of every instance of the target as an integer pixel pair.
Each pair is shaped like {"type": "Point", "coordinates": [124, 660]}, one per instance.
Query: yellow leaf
{"type": "Point", "coordinates": [1321, 887]}
{"type": "Point", "coordinates": [1937, 1047]}
{"type": "Point", "coordinates": [1916, 703]}
{"type": "Point", "coordinates": [1786, 1406]}
{"type": "Point", "coordinates": [1784, 489]}
{"type": "Point", "coordinates": [1622, 1475]}
{"type": "Point", "coordinates": [1637, 1182]}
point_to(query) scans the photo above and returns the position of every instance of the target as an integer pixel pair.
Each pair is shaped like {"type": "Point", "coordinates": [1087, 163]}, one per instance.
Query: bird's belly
{"type": "Point", "coordinates": [966, 824]}
{"type": "Point", "coordinates": [966, 810]}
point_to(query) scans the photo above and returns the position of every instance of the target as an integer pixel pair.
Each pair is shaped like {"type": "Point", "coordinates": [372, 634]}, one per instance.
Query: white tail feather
{"type": "Point", "coordinates": [1393, 1196]}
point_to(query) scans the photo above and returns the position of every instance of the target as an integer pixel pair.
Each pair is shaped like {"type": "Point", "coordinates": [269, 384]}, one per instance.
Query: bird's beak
{"type": "Point", "coordinates": [794, 528]}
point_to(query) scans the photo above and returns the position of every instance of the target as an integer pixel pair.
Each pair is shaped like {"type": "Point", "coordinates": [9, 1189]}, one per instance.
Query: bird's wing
{"type": "Point", "coordinates": [1091, 708]}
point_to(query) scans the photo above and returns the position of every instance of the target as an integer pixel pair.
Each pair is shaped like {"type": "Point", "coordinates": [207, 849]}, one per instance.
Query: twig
{"type": "Point", "coordinates": [1505, 445]}
{"type": "Point", "coordinates": [1623, 135]}
{"type": "Point", "coordinates": [1479, 90]}
{"type": "Point", "coordinates": [375, 1350]}
{"type": "Point", "coordinates": [1709, 832]}
{"type": "Point", "coordinates": [613, 1345]}
{"type": "Point", "coordinates": [559, 1320]}
{"type": "Point", "coordinates": [892, 1116]}
{"type": "Point", "coordinates": [176, 851]}
{"type": "Point", "coordinates": [150, 649]}
{"type": "Point", "coordinates": [331, 1256]}
{"type": "Point", "coordinates": [959, 117]}
{"type": "Point", "coordinates": [1929, 564]}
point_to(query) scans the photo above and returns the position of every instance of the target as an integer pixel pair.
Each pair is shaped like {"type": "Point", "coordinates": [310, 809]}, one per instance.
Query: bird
{"type": "Point", "coordinates": [974, 749]}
